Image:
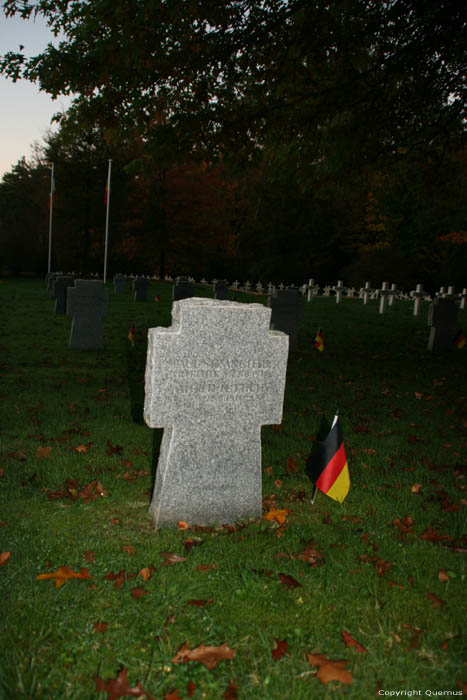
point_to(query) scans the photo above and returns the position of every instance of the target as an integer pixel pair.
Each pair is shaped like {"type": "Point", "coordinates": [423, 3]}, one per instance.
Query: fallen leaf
{"type": "Point", "coordinates": [280, 649]}
{"type": "Point", "coordinates": [206, 567]}
{"type": "Point", "coordinates": [118, 687]}
{"type": "Point", "coordinates": [200, 603]}
{"type": "Point", "coordinates": [278, 483]}
{"type": "Point", "coordinates": [291, 464]}
{"type": "Point", "coordinates": [43, 452]}
{"type": "Point", "coordinates": [118, 578]}
{"type": "Point", "coordinates": [289, 581]}
{"type": "Point", "coordinates": [4, 558]}
{"type": "Point", "coordinates": [63, 574]}
{"type": "Point", "coordinates": [350, 642]}
{"type": "Point", "coordinates": [138, 592]}
{"type": "Point", "coordinates": [182, 525]}
{"type": "Point", "coordinates": [173, 695]}
{"type": "Point", "coordinates": [100, 626]}
{"type": "Point", "coordinates": [207, 655]}
{"type": "Point", "coordinates": [279, 515]}
{"type": "Point", "coordinates": [435, 601]}
{"type": "Point", "coordinates": [191, 687]}
{"type": "Point", "coordinates": [89, 556]}
{"type": "Point", "coordinates": [145, 573]}
{"type": "Point", "coordinates": [81, 448]}
{"type": "Point", "coordinates": [113, 449]}
{"type": "Point", "coordinates": [330, 670]}
{"type": "Point", "coordinates": [128, 549]}
{"type": "Point", "coordinates": [171, 558]}
{"type": "Point", "coordinates": [443, 576]}
{"type": "Point", "coordinates": [416, 488]}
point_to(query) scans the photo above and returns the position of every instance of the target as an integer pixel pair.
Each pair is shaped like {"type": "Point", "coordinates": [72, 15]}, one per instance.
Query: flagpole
{"type": "Point", "coordinates": [107, 221]}
{"type": "Point", "coordinates": [51, 206]}
{"type": "Point", "coordinates": [314, 495]}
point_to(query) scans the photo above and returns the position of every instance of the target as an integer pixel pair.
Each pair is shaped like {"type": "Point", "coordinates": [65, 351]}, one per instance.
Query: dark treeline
{"type": "Point", "coordinates": [274, 140]}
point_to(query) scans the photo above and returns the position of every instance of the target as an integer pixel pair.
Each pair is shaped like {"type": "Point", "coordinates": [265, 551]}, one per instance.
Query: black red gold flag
{"type": "Point", "coordinates": [319, 341]}
{"type": "Point", "coordinates": [131, 335]}
{"type": "Point", "coordinates": [327, 466]}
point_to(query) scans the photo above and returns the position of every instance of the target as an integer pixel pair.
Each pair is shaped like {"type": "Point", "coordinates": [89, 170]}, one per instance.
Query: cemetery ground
{"type": "Point", "coordinates": [329, 600]}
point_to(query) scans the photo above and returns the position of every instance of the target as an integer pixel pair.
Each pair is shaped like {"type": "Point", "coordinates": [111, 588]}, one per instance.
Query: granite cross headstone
{"type": "Point", "coordinates": [212, 380]}
{"type": "Point", "coordinates": [87, 303]}
{"type": "Point", "coordinates": [384, 292]}
{"type": "Point", "coordinates": [418, 295]}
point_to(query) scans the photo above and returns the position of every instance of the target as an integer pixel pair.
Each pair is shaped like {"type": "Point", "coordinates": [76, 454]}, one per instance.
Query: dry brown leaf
{"type": "Point", "coordinates": [443, 576]}
{"type": "Point", "coordinates": [43, 452]}
{"type": "Point", "coordinates": [350, 642]}
{"type": "Point", "coordinates": [416, 488]}
{"type": "Point", "coordinates": [279, 516]}
{"type": "Point", "coordinates": [128, 549]}
{"type": "Point", "coordinates": [145, 573]}
{"type": "Point", "coordinates": [209, 656]}
{"type": "Point", "coordinates": [4, 558]}
{"type": "Point", "coordinates": [171, 558]}
{"type": "Point", "coordinates": [330, 670]}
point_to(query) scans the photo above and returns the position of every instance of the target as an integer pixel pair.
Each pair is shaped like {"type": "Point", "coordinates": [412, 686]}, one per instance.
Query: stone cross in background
{"type": "Point", "coordinates": [442, 317]}
{"type": "Point", "coordinates": [339, 288]}
{"type": "Point", "coordinates": [418, 295]}
{"type": "Point", "coordinates": [384, 292]}
{"type": "Point", "coordinates": [87, 303]}
{"type": "Point", "coordinates": [212, 380]}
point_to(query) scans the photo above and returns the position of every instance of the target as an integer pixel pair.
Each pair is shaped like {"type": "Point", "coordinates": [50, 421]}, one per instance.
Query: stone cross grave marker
{"type": "Point", "coordinates": [212, 380]}
{"type": "Point", "coordinates": [140, 288]}
{"type": "Point", "coordinates": [442, 317]}
{"type": "Point", "coordinates": [119, 283]}
{"type": "Point", "coordinates": [221, 289]}
{"type": "Point", "coordinates": [60, 291]}
{"type": "Point", "coordinates": [287, 307]}
{"type": "Point", "coordinates": [393, 293]}
{"type": "Point", "coordinates": [384, 292]}
{"type": "Point", "coordinates": [463, 297]}
{"type": "Point", "coordinates": [182, 289]}
{"type": "Point", "coordinates": [365, 292]}
{"type": "Point", "coordinates": [339, 288]}
{"type": "Point", "coordinates": [418, 295]}
{"type": "Point", "coordinates": [87, 303]}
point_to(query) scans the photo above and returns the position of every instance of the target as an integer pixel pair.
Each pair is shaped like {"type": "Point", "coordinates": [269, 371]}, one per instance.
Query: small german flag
{"type": "Point", "coordinates": [157, 298]}
{"type": "Point", "coordinates": [460, 340]}
{"type": "Point", "coordinates": [319, 341]}
{"type": "Point", "coordinates": [131, 335]}
{"type": "Point", "coordinates": [327, 467]}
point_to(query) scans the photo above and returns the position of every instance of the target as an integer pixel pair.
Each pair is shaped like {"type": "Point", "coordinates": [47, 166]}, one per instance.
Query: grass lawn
{"type": "Point", "coordinates": [376, 583]}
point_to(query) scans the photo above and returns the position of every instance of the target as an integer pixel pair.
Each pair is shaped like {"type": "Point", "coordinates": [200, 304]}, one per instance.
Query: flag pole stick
{"type": "Point", "coordinates": [107, 221]}
{"type": "Point", "coordinates": [51, 206]}
{"type": "Point", "coordinates": [314, 495]}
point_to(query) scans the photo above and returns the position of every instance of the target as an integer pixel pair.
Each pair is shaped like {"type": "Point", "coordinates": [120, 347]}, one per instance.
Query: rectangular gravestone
{"type": "Point", "coordinates": [442, 317]}
{"type": "Point", "coordinates": [212, 380]}
{"type": "Point", "coordinates": [140, 288]}
{"type": "Point", "coordinates": [287, 308]}
{"type": "Point", "coordinates": [119, 283]}
{"type": "Point", "coordinates": [87, 303]}
{"type": "Point", "coordinates": [182, 289]}
{"type": "Point", "coordinates": [60, 292]}
{"type": "Point", "coordinates": [221, 289]}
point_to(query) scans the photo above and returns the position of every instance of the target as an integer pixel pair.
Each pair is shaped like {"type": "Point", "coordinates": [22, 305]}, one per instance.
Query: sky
{"type": "Point", "coordinates": [25, 112]}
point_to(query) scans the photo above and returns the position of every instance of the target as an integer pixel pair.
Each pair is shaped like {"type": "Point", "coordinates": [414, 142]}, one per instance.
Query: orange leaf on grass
{"type": "Point", "coordinates": [443, 576]}
{"type": "Point", "coordinates": [81, 448]}
{"type": "Point", "coordinates": [173, 695]}
{"type": "Point", "coordinates": [330, 670]}
{"type": "Point", "coordinates": [209, 656]}
{"type": "Point", "coordinates": [138, 592]}
{"type": "Point", "coordinates": [63, 574]}
{"type": "Point", "coordinates": [118, 687]}
{"type": "Point", "coordinates": [350, 642]}
{"type": "Point", "coordinates": [279, 515]}
{"type": "Point", "coordinates": [100, 626]}
{"type": "Point", "coordinates": [280, 649]}
{"type": "Point", "coordinates": [206, 567]}
{"type": "Point", "coordinates": [191, 687]}
{"type": "Point", "coordinates": [200, 603]}
{"type": "Point", "coordinates": [146, 573]}
{"type": "Point", "coordinates": [182, 525]}
{"type": "Point", "coordinates": [128, 549]}
{"type": "Point", "coordinates": [4, 558]}
{"type": "Point", "coordinates": [289, 581]}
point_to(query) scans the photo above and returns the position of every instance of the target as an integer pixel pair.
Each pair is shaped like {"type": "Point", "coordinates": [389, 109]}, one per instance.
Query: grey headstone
{"type": "Point", "coordinates": [221, 289]}
{"type": "Point", "coordinates": [442, 317]}
{"type": "Point", "coordinates": [182, 289]}
{"type": "Point", "coordinates": [287, 307]}
{"type": "Point", "coordinates": [60, 292]}
{"type": "Point", "coordinates": [87, 303]}
{"type": "Point", "coordinates": [119, 283]}
{"type": "Point", "coordinates": [140, 288]}
{"type": "Point", "coordinates": [50, 283]}
{"type": "Point", "coordinates": [212, 380]}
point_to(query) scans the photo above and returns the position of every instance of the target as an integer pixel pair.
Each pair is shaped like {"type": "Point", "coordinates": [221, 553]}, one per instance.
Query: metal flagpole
{"type": "Point", "coordinates": [107, 220]}
{"type": "Point", "coordinates": [51, 206]}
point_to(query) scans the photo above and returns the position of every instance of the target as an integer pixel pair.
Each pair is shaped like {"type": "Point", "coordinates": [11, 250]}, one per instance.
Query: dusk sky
{"type": "Point", "coordinates": [25, 112]}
